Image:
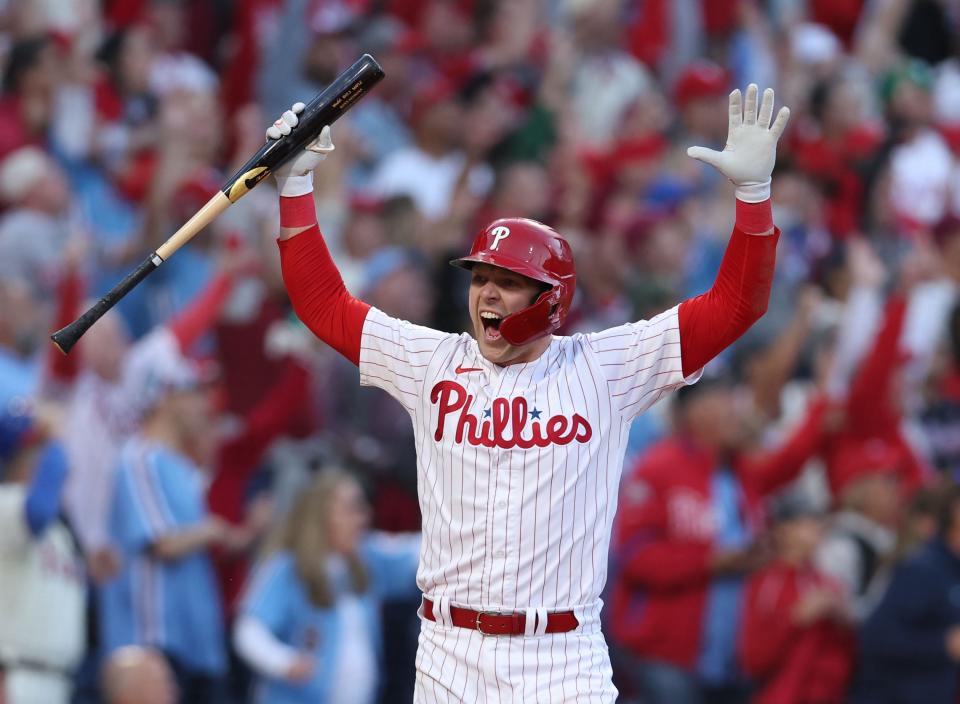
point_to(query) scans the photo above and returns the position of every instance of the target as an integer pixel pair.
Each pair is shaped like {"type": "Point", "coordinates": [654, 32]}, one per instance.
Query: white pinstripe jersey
{"type": "Point", "coordinates": [519, 466]}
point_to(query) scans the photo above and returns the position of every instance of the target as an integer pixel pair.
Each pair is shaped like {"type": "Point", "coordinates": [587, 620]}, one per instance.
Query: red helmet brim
{"type": "Point", "coordinates": [504, 262]}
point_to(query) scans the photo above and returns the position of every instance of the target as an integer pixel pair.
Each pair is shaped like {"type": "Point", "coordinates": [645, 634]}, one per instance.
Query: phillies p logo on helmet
{"type": "Point", "coordinates": [499, 233]}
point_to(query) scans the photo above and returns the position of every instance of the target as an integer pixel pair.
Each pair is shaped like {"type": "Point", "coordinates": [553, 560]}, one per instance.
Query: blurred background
{"type": "Point", "coordinates": [202, 498]}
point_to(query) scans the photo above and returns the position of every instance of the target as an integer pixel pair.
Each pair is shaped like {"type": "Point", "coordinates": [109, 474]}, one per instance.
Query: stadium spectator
{"type": "Point", "coordinates": [126, 106]}
{"type": "Point", "coordinates": [236, 491]}
{"type": "Point", "coordinates": [796, 644]}
{"type": "Point", "coordinates": [838, 150]}
{"type": "Point", "coordinates": [910, 645]}
{"type": "Point", "coordinates": [42, 585]}
{"type": "Point", "coordinates": [100, 387]}
{"type": "Point", "coordinates": [34, 229]}
{"type": "Point", "coordinates": [309, 624]}
{"type": "Point", "coordinates": [21, 323]}
{"type": "Point", "coordinates": [920, 163]}
{"type": "Point", "coordinates": [429, 169]}
{"type": "Point", "coordinates": [919, 523]}
{"type": "Point", "coordinates": [119, 118]}
{"type": "Point", "coordinates": [940, 416]}
{"type": "Point", "coordinates": [30, 81]}
{"type": "Point", "coordinates": [606, 79]}
{"type": "Point", "coordinates": [688, 534]}
{"type": "Point", "coordinates": [700, 89]}
{"type": "Point", "coordinates": [165, 595]}
{"type": "Point", "coordinates": [135, 675]}
{"type": "Point", "coordinates": [871, 468]}
{"type": "Point", "coordinates": [862, 534]}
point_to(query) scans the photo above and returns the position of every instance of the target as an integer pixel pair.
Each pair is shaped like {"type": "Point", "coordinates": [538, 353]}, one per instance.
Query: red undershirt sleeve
{"type": "Point", "coordinates": [319, 296]}
{"type": "Point", "coordinates": [739, 295]}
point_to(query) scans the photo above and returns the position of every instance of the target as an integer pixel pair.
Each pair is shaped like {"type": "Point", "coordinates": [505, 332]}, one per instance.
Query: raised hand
{"type": "Point", "coordinates": [751, 149]}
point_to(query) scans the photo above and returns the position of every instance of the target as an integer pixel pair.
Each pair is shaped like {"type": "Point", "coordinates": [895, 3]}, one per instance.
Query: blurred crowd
{"type": "Point", "coordinates": [200, 504]}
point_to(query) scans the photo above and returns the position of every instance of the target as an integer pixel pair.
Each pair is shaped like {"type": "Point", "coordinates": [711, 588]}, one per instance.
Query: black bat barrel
{"type": "Point", "coordinates": [325, 109]}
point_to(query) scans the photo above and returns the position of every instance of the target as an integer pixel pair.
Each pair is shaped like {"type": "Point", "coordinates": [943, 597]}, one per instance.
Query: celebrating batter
{"type": "Point", "coordinates": [521, 433]}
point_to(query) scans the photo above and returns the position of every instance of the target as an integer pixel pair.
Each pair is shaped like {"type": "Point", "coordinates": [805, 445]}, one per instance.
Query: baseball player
{"type": "Point", "coordinates": [521, 433]}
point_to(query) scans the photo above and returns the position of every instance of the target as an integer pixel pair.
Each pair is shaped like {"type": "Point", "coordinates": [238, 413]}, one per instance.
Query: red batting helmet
{"type": "Point", "coordinates": [536, 251]}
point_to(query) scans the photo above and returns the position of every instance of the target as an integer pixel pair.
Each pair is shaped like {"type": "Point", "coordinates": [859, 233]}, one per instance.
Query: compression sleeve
{"type": "Point", "coordinates": [317, 291]}
{"type": "Point", "coordinates": [739, 295]}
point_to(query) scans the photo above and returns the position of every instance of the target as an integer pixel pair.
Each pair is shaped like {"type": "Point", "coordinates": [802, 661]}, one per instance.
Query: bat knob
{"type": "Point", "coordinates": [64, 339]}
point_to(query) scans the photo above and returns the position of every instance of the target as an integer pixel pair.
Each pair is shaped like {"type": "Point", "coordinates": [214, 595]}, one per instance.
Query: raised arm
{"type": "Point", "coordinates": [192, 322]}
{"type": "Point", "coordinates": [316, 289]}
{"type": "Point", "coordinates": [239, 457]}
{"type": "Point", "coordinates": [869, 407]}
{"type": "Point", "coordinates": [62, 369]}
{"type": "Point", "coordinates": [771, 469]}
{"type": "Point", "coordinates": [738, 298]}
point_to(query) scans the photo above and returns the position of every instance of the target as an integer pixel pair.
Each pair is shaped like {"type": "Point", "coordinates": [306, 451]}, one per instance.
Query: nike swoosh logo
{"type": "Point", "coordinates": [461, 370]}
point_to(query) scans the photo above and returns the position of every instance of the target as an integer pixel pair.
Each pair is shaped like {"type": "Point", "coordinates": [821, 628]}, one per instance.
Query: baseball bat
{"type": "Point", "coordinates": [328, 105]}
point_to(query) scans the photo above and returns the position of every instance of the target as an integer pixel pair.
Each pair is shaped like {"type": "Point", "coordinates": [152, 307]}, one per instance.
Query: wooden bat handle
{"type": "Point", "coordinates": [65, 338]}
{"type": "Point", "coordinates": [203, 217]}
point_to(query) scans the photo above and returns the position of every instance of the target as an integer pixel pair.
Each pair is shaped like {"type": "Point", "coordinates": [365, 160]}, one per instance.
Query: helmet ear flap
{"type": "Point", "coordinates": [534, 321]}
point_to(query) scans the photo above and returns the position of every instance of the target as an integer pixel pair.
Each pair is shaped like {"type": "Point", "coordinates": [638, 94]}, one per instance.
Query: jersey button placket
{"type": "Point", "coordinates": [500, 518]}
{"type": "Point", "coordinates": [511, 520]}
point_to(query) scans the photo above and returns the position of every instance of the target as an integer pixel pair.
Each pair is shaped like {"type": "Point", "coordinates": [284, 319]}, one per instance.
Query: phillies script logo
{"type": "Point", "coordinates": [503, 418]}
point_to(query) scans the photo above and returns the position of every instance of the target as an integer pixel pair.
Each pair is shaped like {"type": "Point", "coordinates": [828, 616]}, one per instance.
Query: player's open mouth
{"type": "Point", "coordinates": [491, 325]}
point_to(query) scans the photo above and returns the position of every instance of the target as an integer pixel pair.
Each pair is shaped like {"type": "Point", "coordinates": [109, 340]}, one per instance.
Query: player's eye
{"type": "Point", "coordinates": [479, 280]}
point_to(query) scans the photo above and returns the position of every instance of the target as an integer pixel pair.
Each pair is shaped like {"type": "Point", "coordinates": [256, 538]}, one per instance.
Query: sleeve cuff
{"type": "Point", "coordinates": [753, 192]}
{"type": "Point", "coordinates": [298, 211]}
{"type": "Point", "coordinates": [755, 218]}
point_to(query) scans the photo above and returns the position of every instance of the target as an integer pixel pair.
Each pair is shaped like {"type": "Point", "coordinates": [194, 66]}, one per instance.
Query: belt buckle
{"type": "Point", "coordinates": [480, 614]}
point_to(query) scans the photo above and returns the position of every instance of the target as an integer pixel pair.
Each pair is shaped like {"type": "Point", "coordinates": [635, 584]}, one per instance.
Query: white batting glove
{"type": "Point", "coordinates": [751, 149]}
{"type": "Point", "coordinates": [295, 178]}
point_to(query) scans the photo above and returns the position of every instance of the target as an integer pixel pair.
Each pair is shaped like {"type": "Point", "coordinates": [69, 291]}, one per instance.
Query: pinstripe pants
{"type": "Point", "coordinates": [460, 665]}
